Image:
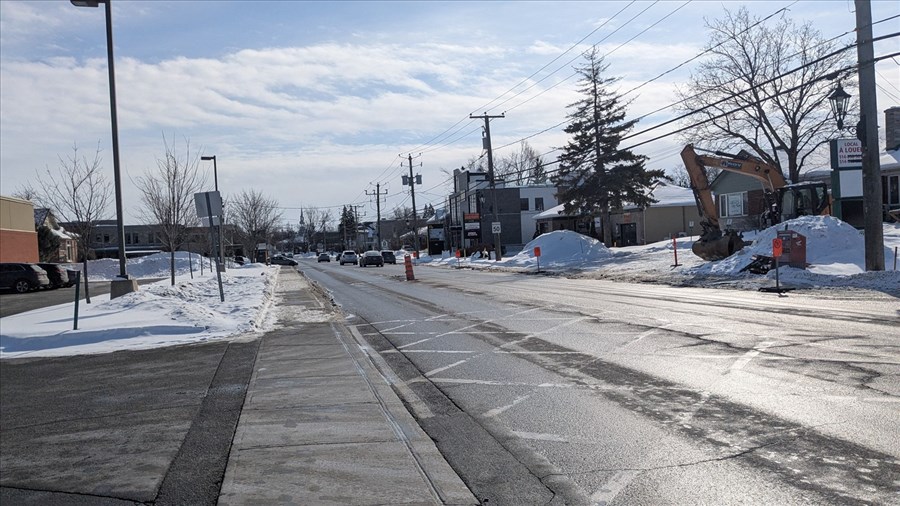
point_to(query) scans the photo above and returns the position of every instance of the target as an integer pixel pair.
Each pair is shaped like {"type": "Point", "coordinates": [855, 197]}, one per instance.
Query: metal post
{"type": "Point", "coordinates": [487, 131]}
{"type": "Point", "coordinates": [120, 225]}
{"type": "Point", "coordinates": [872, 212]}
{"type": "Point", "coordinates": [211, 238]}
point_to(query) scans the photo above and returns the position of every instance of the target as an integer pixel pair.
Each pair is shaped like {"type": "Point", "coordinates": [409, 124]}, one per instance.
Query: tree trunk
{"type": "Point", "coordinates": [172, 265]}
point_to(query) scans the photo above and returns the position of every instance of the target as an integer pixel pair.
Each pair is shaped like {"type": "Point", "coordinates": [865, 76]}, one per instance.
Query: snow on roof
{"type": "Point", "coordinates": [890, 159]}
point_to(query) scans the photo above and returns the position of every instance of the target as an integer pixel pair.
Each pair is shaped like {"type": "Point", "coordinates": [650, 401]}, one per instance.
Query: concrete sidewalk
{"type": "Point", "coordinates": [320, 425]}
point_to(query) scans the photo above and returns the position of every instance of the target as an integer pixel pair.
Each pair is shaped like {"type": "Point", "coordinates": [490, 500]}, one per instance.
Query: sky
{"type": "Point", "coordinates": [315, 103]}
{"type": "Point", "coordinates": [160, 314]}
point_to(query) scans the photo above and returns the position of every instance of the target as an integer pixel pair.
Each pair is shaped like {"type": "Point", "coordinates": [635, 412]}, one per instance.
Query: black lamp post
{"type": "Point", "coordinates": [840, 100]}
{"type": "Point", "coordinates": [215, 172]}
{"type": "Point", "coordinates": [120, 226]}
{"type": "Point", "coordinates": [219, 226]}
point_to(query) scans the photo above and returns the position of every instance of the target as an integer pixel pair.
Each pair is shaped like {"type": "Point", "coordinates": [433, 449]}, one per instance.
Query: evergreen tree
{"type": "Point", "coordinates": [48, 244]}
{"type": "Point", "coordinates": [594, 174]}
{"type": "Point", "coordinates": [347, 225]}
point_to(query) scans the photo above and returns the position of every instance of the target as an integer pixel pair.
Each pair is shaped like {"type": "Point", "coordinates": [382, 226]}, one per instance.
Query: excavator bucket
{"type": "Point", "coordinates": [719, 248]}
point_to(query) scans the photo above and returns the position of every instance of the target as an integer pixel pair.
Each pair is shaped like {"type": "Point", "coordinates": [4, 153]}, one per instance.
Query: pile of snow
{"type": "Point", "coordinates": [562, 249]}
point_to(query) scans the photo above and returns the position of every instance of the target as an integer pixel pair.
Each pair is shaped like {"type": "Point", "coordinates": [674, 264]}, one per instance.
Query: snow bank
{"type": "Point", "coordinates": [561, 248]}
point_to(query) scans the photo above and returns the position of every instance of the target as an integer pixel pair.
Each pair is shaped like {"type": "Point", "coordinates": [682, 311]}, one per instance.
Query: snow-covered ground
{"type": "Point", "coordinates": [834, 250]}
{"type": "Point", "coordinates": [163, 315]}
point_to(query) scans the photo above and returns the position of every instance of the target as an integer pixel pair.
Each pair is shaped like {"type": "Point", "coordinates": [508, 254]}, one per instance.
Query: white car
{"type": "Point", "coordinates": [348, 257]}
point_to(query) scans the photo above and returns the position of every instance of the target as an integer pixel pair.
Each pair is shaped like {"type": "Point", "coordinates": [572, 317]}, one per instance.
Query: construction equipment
{"type": "Point", "coordinates": [783, 201]}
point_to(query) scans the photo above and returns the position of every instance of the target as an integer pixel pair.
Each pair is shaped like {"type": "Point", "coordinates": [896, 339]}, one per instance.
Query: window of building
{"type": "Point", "coordinates": [105, 238]}
{"type": "Point", "coordinates": [523, 204]}
{"type": "Point", "coordinates": [127, 238]}
{"type": "Point", "coordinates": [890, 188]}
{"type": "Point", "coordinates": [733, 204]}
{"type": "Point", "coordinates": [539, 204]}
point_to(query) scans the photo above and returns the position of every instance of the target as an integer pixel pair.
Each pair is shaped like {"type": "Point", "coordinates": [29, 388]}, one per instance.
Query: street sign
{"type": "Point", "coordinates": [777, 247]}
{"type": "Point", "coordinates": [215, 204]}
{"type": "Point", "coordinates": [537, 251]}
{"type": "Point", "coordinates": [495, 227]}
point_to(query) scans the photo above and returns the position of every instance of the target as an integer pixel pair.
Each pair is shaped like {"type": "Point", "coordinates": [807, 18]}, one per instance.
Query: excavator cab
{"type": "Point", "coordinates": [803, 199]}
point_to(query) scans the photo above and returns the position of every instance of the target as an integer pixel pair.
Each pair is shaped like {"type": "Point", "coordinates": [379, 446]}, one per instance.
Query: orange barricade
{"type": "Point", "coordinates": [407, 261]}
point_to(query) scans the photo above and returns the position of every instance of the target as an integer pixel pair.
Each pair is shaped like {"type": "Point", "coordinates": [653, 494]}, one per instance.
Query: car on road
{"type": "Point", "coordinates": [240, 260]}
{"type": "Point", "coordinates": [371, 258]}
{"type": "Point", "coordinates": [389, 257]}
{"type": "Point", "coordinates": [348, 257]}
{"type": "Point", "coordinates": [22, 277]}
{"type": "Point", "coordinates": [281, 260]}
{"type": "Point", "coordinates": [324, 257]}
{"type": "Point", "coordinates": [57, 273]}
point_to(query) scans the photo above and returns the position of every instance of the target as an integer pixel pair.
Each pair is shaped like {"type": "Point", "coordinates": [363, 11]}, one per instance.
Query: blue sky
{"type": "Point", "coordinates": [312, 102]}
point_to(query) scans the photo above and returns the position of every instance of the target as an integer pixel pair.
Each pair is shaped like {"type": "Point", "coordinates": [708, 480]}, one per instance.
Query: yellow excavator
{"type": "Point", "coordinates": [783, 201]}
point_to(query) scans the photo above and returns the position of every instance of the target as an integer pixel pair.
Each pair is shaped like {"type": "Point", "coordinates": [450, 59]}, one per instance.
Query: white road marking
{"type": "Point", "coordinates": [613, 486]}
{"type": "Point", "coordinates": [441, 369]}
{"type": "Point", "coordinates": [413, 343]}
{"type": "Point", "coordinates": [741, 362]}
{"type": "Point", "coordinates": [496, 411]}
{"type": "Point", "coordinates": [539, 436]}
{"type": "Point", "coordinates": [440, 351]}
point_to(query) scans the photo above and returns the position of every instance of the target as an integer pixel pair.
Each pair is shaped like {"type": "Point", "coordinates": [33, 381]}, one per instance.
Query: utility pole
{"type": "Point", "coordinates": [356, 221]}
{"type": "Point", "coordinates": [378, 195]}
{"type": "Point", "coordinates": [868, 111]}
{"type": "Point", "coordinates": [487, 145]}
{"type": "Point", "coordinates": [412, 181]}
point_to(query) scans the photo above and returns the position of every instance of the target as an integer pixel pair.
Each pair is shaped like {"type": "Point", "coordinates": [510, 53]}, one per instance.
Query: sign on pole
{"type": "Point", "coordinates": [495, 227]}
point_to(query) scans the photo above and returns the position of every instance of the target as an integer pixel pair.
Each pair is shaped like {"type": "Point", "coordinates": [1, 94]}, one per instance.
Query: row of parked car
{"type": "Point", "coordinates": [25, 277]}
{"type": "Point", "coordinates": [368, 258]}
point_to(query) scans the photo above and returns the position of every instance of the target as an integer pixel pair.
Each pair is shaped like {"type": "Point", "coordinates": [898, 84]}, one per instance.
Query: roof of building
{"type": "Point", "coordinates": [667, 195]}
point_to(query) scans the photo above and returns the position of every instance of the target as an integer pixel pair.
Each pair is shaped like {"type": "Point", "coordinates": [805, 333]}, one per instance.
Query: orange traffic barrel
{"type": "Point", "coordinates": [407, 261]}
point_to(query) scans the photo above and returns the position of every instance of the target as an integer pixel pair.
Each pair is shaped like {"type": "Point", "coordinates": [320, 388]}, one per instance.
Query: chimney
{"type": "Point", "coordinates": [892, 128]}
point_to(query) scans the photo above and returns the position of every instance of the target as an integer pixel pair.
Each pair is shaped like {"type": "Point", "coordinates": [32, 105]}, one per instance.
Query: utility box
{"type": "Point", "coordinates": [793, 249]}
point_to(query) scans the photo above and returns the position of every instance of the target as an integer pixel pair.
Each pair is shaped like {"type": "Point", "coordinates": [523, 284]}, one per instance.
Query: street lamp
{"type": "Point", "coordinates": [219, 226]}
{"type": "Point", "coordinates": [215, 172]}
{"type": "Point", "coordinates": [117, 289]}
{"type": "Point", "coordinates": [840, 100]}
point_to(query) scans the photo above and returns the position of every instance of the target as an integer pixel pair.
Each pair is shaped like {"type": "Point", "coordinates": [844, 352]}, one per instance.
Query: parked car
{"type": "Point", "coordinates": [22, 277]}
{"type": "Point", "coordinates": [371, 258]}
{"type": "Point", "coordinates": [348, 257]}
{"type": "Point", "coordinates": [389, 257]}
{"type": "Point", "coordinates": [281, 260]}
{"type": "Point", "coordinates": [324, 257]}
{"type": "Point", "coordinates": [241, 260]}
{"type": "Point", "coordinates": [58, 275]}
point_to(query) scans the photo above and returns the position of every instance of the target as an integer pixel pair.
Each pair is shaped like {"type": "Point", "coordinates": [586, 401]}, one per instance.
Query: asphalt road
{"type": "Point", "coordinates": [13, 303]}
{"type": "Point", "coordinates": [616, 393]}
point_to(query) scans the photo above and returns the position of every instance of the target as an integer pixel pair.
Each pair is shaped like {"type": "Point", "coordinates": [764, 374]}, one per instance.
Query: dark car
{"type": "Point", "coordinates": [371, 258]}
{"type": "Point", "coordinates": [57, 273]}
{"type": "Point", "coordinates": [389, 257]}
{"type": "Point", "coordinates": [281, 260]}
{"type": "Point", "coordinates": [324, 257]}
{"type": "Point", "coordinates": [22, 277]}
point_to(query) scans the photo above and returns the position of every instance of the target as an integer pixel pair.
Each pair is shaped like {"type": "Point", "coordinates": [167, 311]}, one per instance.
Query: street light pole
{"type": "Point", "coordinates": [219, 226]}
{"type": "Point", "coordinates": [120, 225]}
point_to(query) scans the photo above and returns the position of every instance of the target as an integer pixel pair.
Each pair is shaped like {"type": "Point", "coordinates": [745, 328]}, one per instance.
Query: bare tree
{"type": "Point", "coordinates": [168, 196]}
{"type": "Point", "coordinates": [255, 217]}
{"type": "Point", "coordinates": [316, 220]}
{"type": "Point", "coordinates": [27, 191]}
{"type": "Point", "coordinates": [79, 194]}
{"type": "Point", "coordinates": [782, 118]}
{"type": "Point", "coordinates": [522, 166]}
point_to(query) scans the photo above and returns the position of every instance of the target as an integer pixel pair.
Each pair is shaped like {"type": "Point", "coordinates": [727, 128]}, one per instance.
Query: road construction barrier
{"type": "Point", "coordinates": [407, 261]}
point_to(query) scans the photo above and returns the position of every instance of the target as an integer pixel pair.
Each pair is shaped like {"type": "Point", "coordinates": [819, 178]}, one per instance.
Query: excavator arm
{"type": "Point", "coordinates": [714, 244]}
